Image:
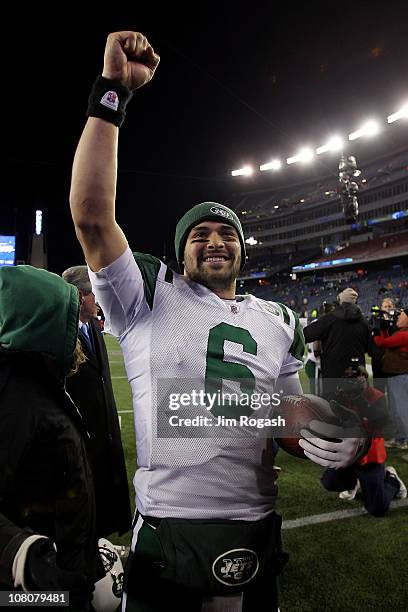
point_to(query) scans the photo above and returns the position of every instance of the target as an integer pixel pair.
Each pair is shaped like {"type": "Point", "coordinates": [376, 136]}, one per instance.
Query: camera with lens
{"type": "Point", "coordinates": [353, 368]}
{"type": "Point", "coordinates": [383, 320]}
{"type": "Point", "coordinates": [354, 380]}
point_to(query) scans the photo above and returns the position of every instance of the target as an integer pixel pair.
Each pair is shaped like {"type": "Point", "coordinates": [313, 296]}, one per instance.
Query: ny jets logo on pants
{"type": "Point", "coordinates": [236, 567]}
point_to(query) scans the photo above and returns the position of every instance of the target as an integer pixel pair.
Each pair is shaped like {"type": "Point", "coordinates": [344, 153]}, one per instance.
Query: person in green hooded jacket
{"type": "Point", "coordinates": [47, 514]}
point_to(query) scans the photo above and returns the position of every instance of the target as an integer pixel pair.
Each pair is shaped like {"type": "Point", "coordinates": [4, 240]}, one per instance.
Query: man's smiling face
{"type": "Point", "coordinates": [212, 255]}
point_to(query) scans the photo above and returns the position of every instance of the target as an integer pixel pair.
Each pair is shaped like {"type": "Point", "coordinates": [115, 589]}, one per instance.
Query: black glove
{"type": "Point", "coordinates": [42, 574]}
{"type": "Point", "coordinates": [349, 419]}
{"type": "Point", "coordinates": [353, 421]}
{"type": "Point", "coordinates": [376, 417]}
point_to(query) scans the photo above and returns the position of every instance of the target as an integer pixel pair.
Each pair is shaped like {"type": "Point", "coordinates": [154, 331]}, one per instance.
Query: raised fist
{"type": "Point", "coordinates": [130, 59]}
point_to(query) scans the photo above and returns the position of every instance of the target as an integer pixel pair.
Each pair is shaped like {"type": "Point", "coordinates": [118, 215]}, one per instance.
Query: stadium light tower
{"type": "Point", "coordinates": [335, 143]}
{"type": "Point", "coordinates": [402, 113]}
{"type": "Point", "coordinates": [38, 255]}
{"type": "Point", "coordinates": [275, 164]}
{"type": "Point", "coordinates": [348, 188]}
{"type": "Point", "coordinates": [38, 222]}
{"type": "Point", "coordinates": [304, 155]}
{"type": "Point", "coordinates": [245, 171]}
{"type": "Point", "coordinates": [370, 128]}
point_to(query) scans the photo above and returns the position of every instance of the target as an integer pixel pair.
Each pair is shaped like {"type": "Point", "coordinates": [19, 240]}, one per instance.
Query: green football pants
{"type": "Point", "coordinates": [144, 591]}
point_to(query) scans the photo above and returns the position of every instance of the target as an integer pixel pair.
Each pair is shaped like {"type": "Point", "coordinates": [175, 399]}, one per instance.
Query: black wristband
{"type": "Point", "coordinates": [108, 101]}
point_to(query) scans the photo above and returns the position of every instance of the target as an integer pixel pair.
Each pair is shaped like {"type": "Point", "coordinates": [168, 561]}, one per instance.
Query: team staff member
{"type": "Point", "coordinates": [206, 536]}
{"type": "Point", "coordinates": [91, 390]}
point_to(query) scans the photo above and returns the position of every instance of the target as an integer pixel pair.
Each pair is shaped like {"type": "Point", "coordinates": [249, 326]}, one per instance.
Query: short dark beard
{"type": "Point", "coordinates": [210, 280]}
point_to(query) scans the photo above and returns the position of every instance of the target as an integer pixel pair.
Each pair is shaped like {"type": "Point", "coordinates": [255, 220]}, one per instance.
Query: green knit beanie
{"type": "Point", "coordinates": [206, 211]}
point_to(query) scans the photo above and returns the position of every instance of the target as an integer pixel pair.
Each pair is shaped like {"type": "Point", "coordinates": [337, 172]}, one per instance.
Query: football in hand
{"type": "Point", "coordinates": [298, 411]}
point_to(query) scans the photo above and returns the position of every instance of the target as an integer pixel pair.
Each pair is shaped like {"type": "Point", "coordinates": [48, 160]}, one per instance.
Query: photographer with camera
{"type": "Point", "coordinates": [379, 484]}
{"type": "Point", "coordinates": [395, 366]}
{"type": "Point", "coordinates": [382, 319]}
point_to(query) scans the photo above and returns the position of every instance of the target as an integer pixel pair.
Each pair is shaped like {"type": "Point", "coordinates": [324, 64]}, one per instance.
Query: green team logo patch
{"type": "Point", "coordinates": [217, 210]}
{"type": "Point", "coordinates": [235, 567]}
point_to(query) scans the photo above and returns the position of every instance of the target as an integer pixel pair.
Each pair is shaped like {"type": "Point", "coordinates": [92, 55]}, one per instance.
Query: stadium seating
{"type": "Point", "coordinates": [372, 289]}
{"type": "Point", "coordinates": [385, 246]}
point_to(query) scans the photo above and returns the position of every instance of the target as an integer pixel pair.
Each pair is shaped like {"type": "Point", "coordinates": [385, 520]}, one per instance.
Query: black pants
{"type": "Point", "coordinates": [145, 591]}
{"type": "Point", "coordinates": [377, 486]}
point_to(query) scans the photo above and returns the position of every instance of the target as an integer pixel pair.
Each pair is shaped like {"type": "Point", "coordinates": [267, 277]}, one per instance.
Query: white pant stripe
{"type": "Point", "coordinates": [136, 530]}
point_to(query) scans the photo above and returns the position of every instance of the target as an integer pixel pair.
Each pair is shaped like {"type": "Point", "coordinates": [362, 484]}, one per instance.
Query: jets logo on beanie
{"type": "Point", "coordinates": [206, 211]}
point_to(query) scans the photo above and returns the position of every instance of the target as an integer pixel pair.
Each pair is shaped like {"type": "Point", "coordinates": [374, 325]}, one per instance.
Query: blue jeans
{"type": "Point", "coordinates": [377, 485]}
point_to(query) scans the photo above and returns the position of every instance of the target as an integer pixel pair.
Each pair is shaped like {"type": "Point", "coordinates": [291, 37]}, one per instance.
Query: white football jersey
{"type": "Point", "coordinates": [178, 337]}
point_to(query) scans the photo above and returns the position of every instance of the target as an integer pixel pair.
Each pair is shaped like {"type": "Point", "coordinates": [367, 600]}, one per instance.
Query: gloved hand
{"type": "Point", "coordinates": [41, 573]}
{"type": "Point", "coordinates": [335, 446]}
{"type": "Point", "coordinates": [376, 417]}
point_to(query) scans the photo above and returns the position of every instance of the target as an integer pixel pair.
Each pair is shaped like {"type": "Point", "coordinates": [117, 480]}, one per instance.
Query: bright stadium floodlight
{"type": "Point", "coordinates": [251, 241]}
{"type": "Point", "coordinates": [38, 222]}
{"type": "Point", "coordinates": [304, 155]}
{"type": "Point", "coordinates": [245, 171]}
{"type": "Point", "coordinates": [402, 113]}
{"type": "Point", "coordinates": [370, 128]}
{"type": "Point", "coordinates": [335, 143]}
{"type": "Point", "coordinates": [275, 164]}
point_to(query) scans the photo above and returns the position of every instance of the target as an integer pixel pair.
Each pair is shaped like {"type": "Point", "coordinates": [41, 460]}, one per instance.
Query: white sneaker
{"type": "Point", "coordinates": [402, 493]}
{"type": "Point", "coordinates": [349, 495]}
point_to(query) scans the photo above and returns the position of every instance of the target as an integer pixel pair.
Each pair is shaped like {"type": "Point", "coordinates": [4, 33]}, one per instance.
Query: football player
{"type": "Point", "coordinates": [205, 535]}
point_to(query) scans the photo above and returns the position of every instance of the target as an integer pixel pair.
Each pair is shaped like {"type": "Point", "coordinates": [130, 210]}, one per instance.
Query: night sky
{"type": "Point", "coordinates": [235, 85]}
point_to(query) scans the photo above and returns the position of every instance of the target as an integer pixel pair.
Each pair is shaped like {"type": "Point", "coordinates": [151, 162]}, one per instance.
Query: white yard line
{"type": "Point", "coordinates": [315, 519]}
{"type": "Point", "coordinates": [118, 377]}
{"type": "Point", "coordinates": [125, 411]}
{"type": "Point", "coordinates": [335, 516]}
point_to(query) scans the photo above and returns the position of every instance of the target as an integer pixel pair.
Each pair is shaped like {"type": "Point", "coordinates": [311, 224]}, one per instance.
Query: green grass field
{"type": "Point", "coordinates": [349, 565]}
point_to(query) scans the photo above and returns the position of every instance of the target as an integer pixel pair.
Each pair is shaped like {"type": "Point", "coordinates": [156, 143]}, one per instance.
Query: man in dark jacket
{"type": "Point", "coordinates": [344, 335]}
{"type": "Point", "coordinates": [47, 508]}
{"type": "Point", "coordinates": [91, 390]}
